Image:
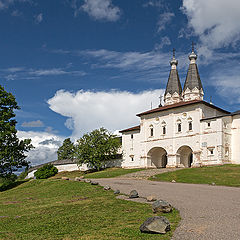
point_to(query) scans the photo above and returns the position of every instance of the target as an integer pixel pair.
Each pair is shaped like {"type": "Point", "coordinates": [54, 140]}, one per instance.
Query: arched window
{"type": "Point", "coordinates": [164, 130]}
{"type": "Point", "coordinates": [163, 127]}
{"type": "Point", "coordinates": [190, 126]}
{"type": "Point", "coordinates": [151, 130]}
{"type": "Point", "coordinates": [179, 125]}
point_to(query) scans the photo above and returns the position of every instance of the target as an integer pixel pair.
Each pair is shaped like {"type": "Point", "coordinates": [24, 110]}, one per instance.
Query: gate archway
{"type": "Point", "coordinates": [158, 157]}
{"type": "Point", "coordinates": [186, 156]}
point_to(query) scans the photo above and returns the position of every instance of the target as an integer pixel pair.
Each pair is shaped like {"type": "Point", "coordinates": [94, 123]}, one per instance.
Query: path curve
{"type": "Point", "coordinates": [207, 212]}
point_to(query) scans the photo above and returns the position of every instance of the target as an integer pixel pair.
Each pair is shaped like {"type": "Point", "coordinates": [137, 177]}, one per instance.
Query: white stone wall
{"type": "Point", "coordinates": [236, 139]}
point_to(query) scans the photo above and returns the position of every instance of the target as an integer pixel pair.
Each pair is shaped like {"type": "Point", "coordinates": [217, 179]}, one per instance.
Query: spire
{"type": "Point", "coordinates": [174, 89]}
{"type": "Point", "coordinates": [193, 86]}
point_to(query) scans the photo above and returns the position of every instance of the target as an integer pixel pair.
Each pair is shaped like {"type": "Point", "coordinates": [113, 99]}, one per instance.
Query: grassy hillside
{"type": "Point", "coordinates": [228, 175]}
{"type": "Point", "coordinates": [106, 173]}
{"type": "Point", "coordinates": [58, 209]}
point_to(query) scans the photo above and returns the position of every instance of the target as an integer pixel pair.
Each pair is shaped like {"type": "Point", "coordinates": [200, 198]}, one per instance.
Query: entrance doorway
{"type": "Point", "coordinates": [158, 157]}
{"type": "Point", "coordinates": [186, 156]}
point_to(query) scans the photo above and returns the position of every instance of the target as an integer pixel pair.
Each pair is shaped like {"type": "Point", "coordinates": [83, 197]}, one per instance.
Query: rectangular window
{"type": "Point", "coordinates": [132, 159]}
{"type": "Point", "coordinates": [209, 124]}
{"type": "Point", "coordinates": [211, 151]}
{"type": "Point", "coordinates": [190, 126]}
{"type": "Point", "coordinates": [131, 136]}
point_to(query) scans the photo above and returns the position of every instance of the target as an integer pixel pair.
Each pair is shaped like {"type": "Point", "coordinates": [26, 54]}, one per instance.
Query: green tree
{"type": "Point", "coordinates": [66, 150]}
{"type": "Point", "coordinates": [12, 150]}
{"type": "Point", "coordinates": [96, 147]}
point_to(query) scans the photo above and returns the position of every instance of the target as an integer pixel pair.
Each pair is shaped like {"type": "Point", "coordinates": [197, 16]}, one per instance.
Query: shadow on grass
{"type": "Point", "coordinates": [7, 186]}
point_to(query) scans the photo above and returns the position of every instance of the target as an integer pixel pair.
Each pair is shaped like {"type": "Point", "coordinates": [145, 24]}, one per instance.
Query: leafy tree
{"type": "Point", "coordinates": [66, 150]}
{"type": "Point", "coordinates": [12, 150]}
{"type": "Point", "coordinates": [96, 147]}
{"type": "Point", "coordinates": [46, 171]}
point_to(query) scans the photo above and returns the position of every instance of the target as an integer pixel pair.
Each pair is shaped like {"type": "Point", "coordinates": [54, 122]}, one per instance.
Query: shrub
{"type": "Point", "coordinates": [7, 182]}
{"type": "Point", "coordinates": [46, 171]}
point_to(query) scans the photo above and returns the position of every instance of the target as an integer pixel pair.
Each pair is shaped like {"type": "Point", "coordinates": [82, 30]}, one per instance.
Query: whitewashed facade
{"type": "Point", "coordinates": [186, 131]}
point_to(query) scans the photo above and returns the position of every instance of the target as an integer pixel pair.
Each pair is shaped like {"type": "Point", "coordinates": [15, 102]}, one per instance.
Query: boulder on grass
{"type": "Point", "coordinates": [94, 183]}
{"type": "Point", "coordinates": [117, 192]}
{"type": "Point", "coordinates": [133, 194]}
{"type": "Point", "coordinates": [78, 179]}
{"type": "Point", "coordinates": [107, 188]}
{"type": "Point", "coordinates": [157, 224]}
{"type": "Point", "coordinates": [65, 178]}
{"type": "Point", "coordinates": [161, 206]}
{"type": "Point", "coordinates": [87, 181]}
{"type": "Point", "coordinates": [151, 198]}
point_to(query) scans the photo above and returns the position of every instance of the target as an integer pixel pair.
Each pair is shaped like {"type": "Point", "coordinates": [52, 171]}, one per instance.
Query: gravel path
{"type": "Point", "coordinates": [145, 174]}
{"type": "Point", "coordinates": [208, 212]}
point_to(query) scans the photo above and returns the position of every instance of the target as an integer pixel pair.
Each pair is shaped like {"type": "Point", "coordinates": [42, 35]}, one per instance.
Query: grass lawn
{"type": "Point", "coordinates": [59, 209]}
{"type": "Point", "coordinates": [106, 173]}
{"type": "Point", "coordinates": [227, 175]}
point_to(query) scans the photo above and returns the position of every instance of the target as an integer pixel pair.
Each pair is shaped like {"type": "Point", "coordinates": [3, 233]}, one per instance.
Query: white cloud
{"type": "Point", "coordinates": [46, 146]}
{"type": "Point", "coordinates": [153, 3]}
{"type": "Point", "coordinates": [164, 19]}
{"type": "Point", "coordinates": [165, 41]}
{"type": "Point", "coordinates": [16, 13]}
{"type": "Point", "coordinates": [4, 4]}
{"type": "Point", "coordinates": [101, 10]}
{"type": "Point", "coordinates": [37, 123]}
{"type": "Point", "coordinates": [114, 110]}
{"type": "Point", "coordinates": [38, 18]}
{"type": "Point", "coordinates": [215, 22]}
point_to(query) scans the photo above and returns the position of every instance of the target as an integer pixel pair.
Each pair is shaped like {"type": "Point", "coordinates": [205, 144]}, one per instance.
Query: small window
{"type": "Point", "coordinates": [131, 136]}
{"type": "Point", "coordinates": [209, 124]}
{"type": "Point", "coordinates": [190, 126]}
{"type": "Point", "coordinates": [179, 127]}
{"type": "Point", "coordinates": [132, 158]}
{"type": "Point", "coordinates": [164, 130]}
{"type": "Point", "coordinates": [151, 133]}
{"type": "Point", "coordinates": [211, 151]}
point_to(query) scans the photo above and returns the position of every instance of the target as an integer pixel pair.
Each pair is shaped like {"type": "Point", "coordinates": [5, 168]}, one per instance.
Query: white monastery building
{"type": "Point", "coordinates": [186, 132]}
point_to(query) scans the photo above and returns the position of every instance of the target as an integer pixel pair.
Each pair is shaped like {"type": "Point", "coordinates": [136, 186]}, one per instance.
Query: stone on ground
{"type": "Point", "coordinates": [87, 181]}
{"type": "Point", "coordinates": [157, 224]}
{"type": "Point", "coordinates": [78, 179]}
{"type": "Point", "coordinates": [107, 188]}
{"type": "Point", "coordinates": [65, 178]}
{"type": "Point", "coordinates": [94, 183]}
{"type": "Point", "coordinates": [117, 192]}
{"type": "Point", "coordinates": [173, 181]}
{"type": "Point", "coordinates": [133, 194]}
{"type": "Point", "coordinates": [151, 198]}
{"type": "Point", "coordinates": [161, 206]}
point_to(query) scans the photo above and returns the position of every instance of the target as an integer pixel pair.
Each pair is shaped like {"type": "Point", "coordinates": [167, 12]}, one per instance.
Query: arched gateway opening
{"type": "Point", "coordinates": [158, 157]}
{"type": "Point", "coordinates": [186, 156]}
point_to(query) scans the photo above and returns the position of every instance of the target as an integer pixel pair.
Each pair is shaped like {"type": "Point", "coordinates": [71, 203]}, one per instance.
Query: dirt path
{"type": "Point", "coordinates": [208, 212]}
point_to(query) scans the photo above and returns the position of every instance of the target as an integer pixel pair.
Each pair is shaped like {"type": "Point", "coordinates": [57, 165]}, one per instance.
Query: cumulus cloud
{"type": "Point", "coordinates": [37, 123]}
{"type": "Point", "coordinates": [101, 10]}
{"type": "Point", "coordinates": [46, 146]}
{"type": "Point", "coordinates": [98, 9]}
{"type": "Point", "coordinates": [164, 19]}
{"type": "Point", "coordinates": [38, 18]}
{"type": "Point", "coordinates": [153, 3]}
{"type": "Point", "coordinates": [114, 110]}
{"type": "Point", "coordinates": [215, 22]}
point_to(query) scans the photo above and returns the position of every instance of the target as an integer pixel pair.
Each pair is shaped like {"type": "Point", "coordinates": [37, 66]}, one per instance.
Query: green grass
{"type": "Point", "coordinates": [106, 173]}
{"type": "Point", "coordinates": [227, 175]}
{"type": "Point", "coordinates": [59, 209]}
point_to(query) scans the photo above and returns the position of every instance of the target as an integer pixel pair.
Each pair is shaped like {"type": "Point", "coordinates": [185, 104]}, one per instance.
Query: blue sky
{"type": "Point", "coordinates": [76, 65]}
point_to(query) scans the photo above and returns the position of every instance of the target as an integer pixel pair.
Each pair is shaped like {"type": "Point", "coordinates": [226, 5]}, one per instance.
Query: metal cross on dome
{"type": "Point", "coordinates": [174, 50]}
{"type": "Point", "coordinates": [192, 46]}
